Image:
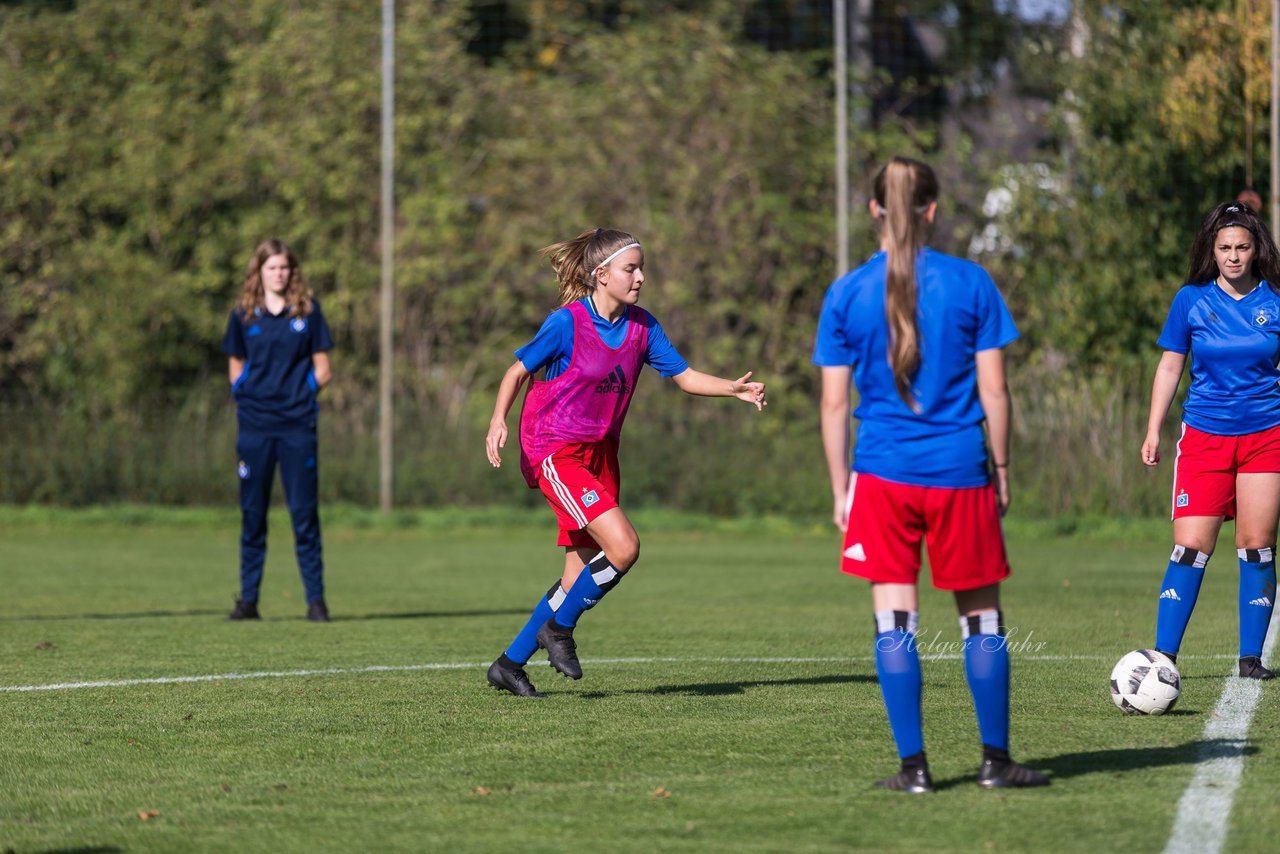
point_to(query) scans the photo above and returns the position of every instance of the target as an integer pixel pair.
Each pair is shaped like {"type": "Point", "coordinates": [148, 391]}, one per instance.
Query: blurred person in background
{"type": "Point", "coordinates": [1227, 462]}
{"type": "Point", "coordinates": [277, 344]}
{"type": "Point", "coordinates": [920, 334]}
{"type": "Point", "coordinates": [1252, 198]}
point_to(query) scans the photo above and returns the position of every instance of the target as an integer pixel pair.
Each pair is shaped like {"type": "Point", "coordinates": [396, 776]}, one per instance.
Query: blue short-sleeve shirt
{"type": "Point", "coordinates": [552, 346]}
{"type": "Point", "coordinates": [961, 313]}
{"type": "Point", "coordinates": [277, 389]}
{"type": "Point", "coordinates": [1234, 346]}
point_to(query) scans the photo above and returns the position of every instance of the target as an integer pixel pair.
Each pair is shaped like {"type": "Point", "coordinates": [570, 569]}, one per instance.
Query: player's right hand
{"type": "Point", "coordinates": [496, 440]}
{"type": "Point", "coordinates": [1151, 451]}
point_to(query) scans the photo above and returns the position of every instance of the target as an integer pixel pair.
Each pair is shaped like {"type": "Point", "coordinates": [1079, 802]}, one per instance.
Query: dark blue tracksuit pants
{"type": "Point", "coordinates": [296, 454]}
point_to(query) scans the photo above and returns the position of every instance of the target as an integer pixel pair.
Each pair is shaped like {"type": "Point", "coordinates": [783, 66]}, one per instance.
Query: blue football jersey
{"type": "Point", "coordinates": [960, 313]}
{"type": "Point", "coordinates": [1234, 346]}
{"type": "Point", "coordinates": [277, 389]}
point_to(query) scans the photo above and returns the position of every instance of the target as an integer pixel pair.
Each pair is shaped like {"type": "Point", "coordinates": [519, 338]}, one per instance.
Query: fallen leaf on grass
{"type": "Point", "coordinates": [482, 791]}
{"type": "Point", "coordinates": [43, 645]}
{"type": "Point", "coordinates": [226, 787]}
{"type": "Point", "coordinates": [147, 815]}
{"type": "Point", "coordinates": [133, 742]}
{"type": "Point", "coordinates": [188, 716]}
{"type": "Point", "coordinates": [280, 787]}
{"type": "Point", "coordinates": [661, 792]}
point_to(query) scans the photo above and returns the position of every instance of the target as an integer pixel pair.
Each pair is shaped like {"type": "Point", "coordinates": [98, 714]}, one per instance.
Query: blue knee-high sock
{"type": "Point", "coordinates": [1257, 597]}
{"type": "Point", "coordinates": [596, 579]}
{"type": "Point", "coordinates": [1178, 594]}
{"type": "Point", "coordinates": [898, 666]}
{"type": "Point", "coordinates": [986, 666]}
{"type": "Point", "coordinates": [526, 642]}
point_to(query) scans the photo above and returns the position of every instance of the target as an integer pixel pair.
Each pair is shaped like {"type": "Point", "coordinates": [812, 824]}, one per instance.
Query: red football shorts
{"type": "Point", "coordinates": [580, 481]}
{"type": "Point", "coordinates": [960, 527]}
{"type": "Point", "coordinates": [1205, 469]}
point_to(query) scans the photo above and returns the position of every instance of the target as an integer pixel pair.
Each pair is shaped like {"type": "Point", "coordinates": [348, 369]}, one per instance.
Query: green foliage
{"type": "Point", "coordinates": [145, 151]}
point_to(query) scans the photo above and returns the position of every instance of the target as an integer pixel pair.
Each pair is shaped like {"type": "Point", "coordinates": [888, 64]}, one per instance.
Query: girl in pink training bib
{"type": "Point", "coordinates": [590, 352]}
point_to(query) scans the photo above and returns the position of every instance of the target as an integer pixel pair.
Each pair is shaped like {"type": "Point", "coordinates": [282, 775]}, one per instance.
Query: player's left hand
{"type": "Point", "coordinates": [749, 391]}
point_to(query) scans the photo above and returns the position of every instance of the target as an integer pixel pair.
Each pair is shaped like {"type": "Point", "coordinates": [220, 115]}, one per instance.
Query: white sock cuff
{"type": "Point", "coordinates": [902, 621]}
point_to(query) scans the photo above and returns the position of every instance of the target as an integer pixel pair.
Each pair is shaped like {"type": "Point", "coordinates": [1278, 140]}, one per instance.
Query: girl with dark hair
{"type": "Point", "coordinates": [591, 351]}
{"type": "Point", "coordinates": [1227, 464]}
{"type": "Point", "coordinates": [920, 334]}
{"type": "Point", "coordinates": [277, 344]}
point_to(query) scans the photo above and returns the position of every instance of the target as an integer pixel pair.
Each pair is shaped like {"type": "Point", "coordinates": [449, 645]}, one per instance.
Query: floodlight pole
{"type": "Point", "coordinates": [841, 28]}
{"type": "Point", "coordinates": [385, 354]}
{"type": "Point", "coordinates": [1275, 115]}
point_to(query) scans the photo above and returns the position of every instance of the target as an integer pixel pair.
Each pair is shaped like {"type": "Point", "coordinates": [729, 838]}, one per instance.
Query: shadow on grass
{"type": "Point", "coordinates": [722, 689]}
{"type": "Point", "coordinates": [123, 615]}
{"type": "Point", "coordinates": [429, 615]}
{"type": "Point", "coordinates": [1067, 765]}
{"type": "Point", "coordinates": [148, 615]}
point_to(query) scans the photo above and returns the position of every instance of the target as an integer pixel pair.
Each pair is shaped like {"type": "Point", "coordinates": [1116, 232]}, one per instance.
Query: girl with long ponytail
{"type": "Point", "coordinates": [920, 334]}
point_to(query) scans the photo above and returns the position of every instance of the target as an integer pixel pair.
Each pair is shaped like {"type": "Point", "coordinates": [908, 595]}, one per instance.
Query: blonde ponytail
{"type": "Point", "coordinates": [904, 189]}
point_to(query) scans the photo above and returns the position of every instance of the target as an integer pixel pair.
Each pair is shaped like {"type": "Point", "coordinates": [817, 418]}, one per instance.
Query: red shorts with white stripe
{"type": "Point", "coordinates": [960, 527]}
{"type": "Point", "coordinates": [580, 482]}
{"type": "Point", "coordinates": [1205, 469]}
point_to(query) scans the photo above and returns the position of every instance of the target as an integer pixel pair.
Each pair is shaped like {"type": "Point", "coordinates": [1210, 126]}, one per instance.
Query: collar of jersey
{"type": "Point", "coordinates": [596, 315]}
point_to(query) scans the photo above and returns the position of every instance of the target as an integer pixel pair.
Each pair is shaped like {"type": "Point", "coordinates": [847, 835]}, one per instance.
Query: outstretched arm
{"type": "Point", "coordinates": [1168, 375]}
{"type": "Point", "coordinates": [834, 417]}
{"type": "Point", "coordinates": [993, 394]}
{"type": "Point", "coordinates": [705, 385]}
{"type": "Point", "coordinates": [507, 391]}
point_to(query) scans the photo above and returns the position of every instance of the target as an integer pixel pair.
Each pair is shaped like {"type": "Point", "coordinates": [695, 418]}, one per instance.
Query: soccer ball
{"type": "Point", "coordinates": [1145, 682]}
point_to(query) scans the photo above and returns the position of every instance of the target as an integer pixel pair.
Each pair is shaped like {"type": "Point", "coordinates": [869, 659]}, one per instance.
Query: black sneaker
{"type": "Point", "coordinates": [244, 611]}
{"type": "Point", "coordinates": [1172, 656]}
{"type": "Point", "coordinates": [914, 780]}
{"type": "Point", "coordinates": [505, 675]}
{"type": "Point", "coordinates": [561, 648]}
{"type": "Point", "coordinates": [317, 611]}
{"type": "Point", "coordinates": [997, 774]}
{"type": "Point", "coordinates": [1251, 668]}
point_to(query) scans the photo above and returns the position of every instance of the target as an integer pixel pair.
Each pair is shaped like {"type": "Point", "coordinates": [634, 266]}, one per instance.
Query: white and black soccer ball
{"type": "Point", "coordinates": [1145, 682]}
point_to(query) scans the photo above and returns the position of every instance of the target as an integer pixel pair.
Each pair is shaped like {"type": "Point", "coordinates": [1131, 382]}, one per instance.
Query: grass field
{"type": "Point", "coordinates": [730, 701]}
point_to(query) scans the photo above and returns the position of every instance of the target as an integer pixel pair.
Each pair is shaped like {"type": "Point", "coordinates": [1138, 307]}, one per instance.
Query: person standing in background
{"type": "Point", "coordinates": [277, 344]}
{"type": "Point", "coordinates": [1227, 463]}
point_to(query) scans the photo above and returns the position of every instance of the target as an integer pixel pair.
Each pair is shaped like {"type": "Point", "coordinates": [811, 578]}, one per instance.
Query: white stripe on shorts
{"type": "Point", "coordinates": [562, 492]}
{"type": "Point", "coordinates": [1177, 456]}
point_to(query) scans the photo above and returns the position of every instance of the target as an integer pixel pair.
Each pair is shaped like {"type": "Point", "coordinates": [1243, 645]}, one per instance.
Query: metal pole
{"type": "Point", "coordinates": [1275, 115]}
{"type": "Point", "coordinates": [385, 353]}
{"type": "Point", "coordinates": [841, 28]}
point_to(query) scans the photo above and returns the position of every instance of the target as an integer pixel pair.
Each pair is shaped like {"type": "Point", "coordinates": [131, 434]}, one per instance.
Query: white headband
{"type": "Point", "coordinates": [605, 262]}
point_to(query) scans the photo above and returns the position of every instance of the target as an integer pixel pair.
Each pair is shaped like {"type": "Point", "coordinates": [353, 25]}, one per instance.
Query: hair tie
{"type": "Point", "coordinates": [596, 236]}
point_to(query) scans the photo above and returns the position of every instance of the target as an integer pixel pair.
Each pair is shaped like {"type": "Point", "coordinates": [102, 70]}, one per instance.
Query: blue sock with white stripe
{"type": "Point", "coordinates": [596, 579]}
{"type": "Point", "coordinates": [526, 643]}
{"type": "Point", "coordinates": [898, 666]}
{"type": "Point", "coordinates": [986, 667]}
{"type": "Point", "coordinates": [1178, 593]}
{"type": "Point", "coordinates": [1257, 597]}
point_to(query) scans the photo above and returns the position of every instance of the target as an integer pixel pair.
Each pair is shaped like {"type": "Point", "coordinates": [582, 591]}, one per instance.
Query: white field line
{"type": "Point", "coordinates": [1201, 824]}
{"type": "Point", "coordinates": [468, 665]}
